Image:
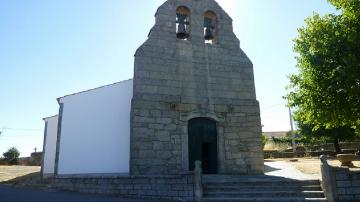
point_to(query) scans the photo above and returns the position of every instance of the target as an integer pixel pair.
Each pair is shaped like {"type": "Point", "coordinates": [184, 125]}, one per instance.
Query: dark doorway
{"type": "Point", "coordinates": [203, 144]}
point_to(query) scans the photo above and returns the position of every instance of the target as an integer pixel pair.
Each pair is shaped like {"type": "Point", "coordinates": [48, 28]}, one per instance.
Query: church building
{"type": "Point", "coordinates": [192, 98]}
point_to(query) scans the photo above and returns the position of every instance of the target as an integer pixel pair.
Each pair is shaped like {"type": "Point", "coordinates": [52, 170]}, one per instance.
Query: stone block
{"type": "Point", "coordinates": [144, 131]}
{"type": "Point", "coordinates": [146, 89]}
{"type": "Point", "coordinates": [355, 183]}
{"type": "Point", "coordinates": [142, 119]}
{"type": "Point", "coordinates": [353, 190]}
{"type": "Point", "coordinates": [341, 191]}
{"type": "Point", "coordinates": [357, 197]}
{"type": "Point", "coordinates": [163, 136]}
{"type": "Point", "coordinates": [341, 176]}
{"type": "Point", "coordinates": [147, 154]}
{"type": "Point", "coordinates": [170, 127]}
{"type": "Point", "coordinates": [184, 107]}
{"type": "Point", "coordinates": [221, 108]}
{"type": "Point", "coordinates": [141, 113]}
{"type": "Point", "coordinates": [237, 155]}
{"type": "Point", "coordinates": [163, 120]}
{"type": "Point", "coordinates": [164, 154]}
{"type": "Point", "coordinates": [161, 146]}
{"type": "Point", "coordinates": [177, 187]}
{"type": "Point", "coordinates": [346, 198]}
{"type": "Point", "coordinates": [230, 136]}
{"type": "Point", "coordinates": [155, 113]}
{"type": "Point", "coordinates": [355, 175]}
{"type": "Point", "coordinates": [343, 183]}
{"type": "Point", "coordinates": [157, 126]}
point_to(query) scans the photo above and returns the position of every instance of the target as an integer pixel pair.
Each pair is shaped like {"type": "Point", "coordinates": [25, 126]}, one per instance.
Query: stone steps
{"type": "Point", "coordinates": [264, 199]}
{"type": "Point", "coordinates": [265, 183]}
{"type": "Point", "coordinates": [208, 179]}
{"type": "Point", "coordinates": [260, 188]}
{"type": "Point", "coordinates": [257, 193]}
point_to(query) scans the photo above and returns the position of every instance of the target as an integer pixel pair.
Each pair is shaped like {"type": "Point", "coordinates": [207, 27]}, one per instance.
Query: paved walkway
{"type": "Point", "coordinates": [12, 194]}
{"type": "Point", "coordinates": [285, 169]}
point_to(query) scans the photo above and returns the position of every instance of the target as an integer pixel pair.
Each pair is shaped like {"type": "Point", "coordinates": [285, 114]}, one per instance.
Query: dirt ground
{"type": "Point", "coordinates": [11, 172]}
{"type": "Point", "coordinates": [312, 165]}
{"type": "Point", "coordinates": [305, 165]}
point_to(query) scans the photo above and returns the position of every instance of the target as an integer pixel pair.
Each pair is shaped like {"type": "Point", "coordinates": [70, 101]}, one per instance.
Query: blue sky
{"type": "Point", "coordinates": [52, 48]}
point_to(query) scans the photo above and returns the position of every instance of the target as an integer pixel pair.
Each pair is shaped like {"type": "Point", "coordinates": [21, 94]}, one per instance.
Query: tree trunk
{"type": "Point", "coordinates": [337, 146]}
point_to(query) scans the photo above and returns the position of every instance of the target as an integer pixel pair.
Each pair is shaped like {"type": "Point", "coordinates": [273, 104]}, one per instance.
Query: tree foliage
{"type": "Point", "coordinates": [307, 136]}
{"type": "Point", "coordinates": [326, 89]}
{"type": "Point", "coordinates": [11, 156]}
{"type": "Point", "coordinates": [334, 135]}
{"type": "Point", "coordinates": [263, 140]}
{"type": "Point", "coordinates": [301, 139]}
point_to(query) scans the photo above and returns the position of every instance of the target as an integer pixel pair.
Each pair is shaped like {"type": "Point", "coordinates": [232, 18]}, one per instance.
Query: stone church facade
{"type": "Point", "coordinates": [194, 96]}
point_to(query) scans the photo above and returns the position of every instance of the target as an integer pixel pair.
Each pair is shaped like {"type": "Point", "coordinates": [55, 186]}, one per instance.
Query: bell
{"type": "Point", "coordinates": [182, 34]}
{"type": "Point", "coordinates": [208, 34]}
{"type": "Point", "coordinates": [208, 29]}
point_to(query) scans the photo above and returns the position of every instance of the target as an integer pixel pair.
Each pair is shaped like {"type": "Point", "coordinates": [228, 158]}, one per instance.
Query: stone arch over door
{"type": "Point", "coordinates": [215, 118]}
{"type": "Point", "coordinates": [203, 144]}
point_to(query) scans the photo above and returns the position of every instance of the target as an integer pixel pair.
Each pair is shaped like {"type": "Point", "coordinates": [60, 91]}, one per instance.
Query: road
{"type": "Point", "coordinates": [12, 194]}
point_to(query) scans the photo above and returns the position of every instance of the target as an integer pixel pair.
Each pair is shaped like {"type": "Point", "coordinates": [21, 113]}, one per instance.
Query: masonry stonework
{"type": "Point", "coordinates": [340, 183]}
{"type": "Point", "coordinates": [176, 80]}
{"type": "Point", "coordinates": [175, 187]}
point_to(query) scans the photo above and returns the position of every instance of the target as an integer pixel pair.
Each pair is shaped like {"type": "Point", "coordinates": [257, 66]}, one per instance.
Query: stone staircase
{"type": "Point", "coordinates": [221, 188]}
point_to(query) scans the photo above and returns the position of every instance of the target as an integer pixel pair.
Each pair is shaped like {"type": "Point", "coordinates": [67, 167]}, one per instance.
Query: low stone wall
{"type": "Point", "coordinates": [340, 183]}
{"type": "Point", "coordinates": [347, 184]}
{"type": "Point", "coordinates": [330, 147]}
{"type": "Point", "coordinates": [177, 187]}
{"type": "Point", "coordinates": [314, 151]}
{"type": "Point", "coordinates": [278, 154]}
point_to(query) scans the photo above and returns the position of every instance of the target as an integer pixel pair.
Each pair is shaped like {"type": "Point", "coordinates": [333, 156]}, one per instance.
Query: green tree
{"type": "Point", "coordinates": [322, 135]}
{"type": "Point", "coordinates": [12, 156]}
{"type": "Point", "coordinates": [326, 89]}
{"type": "Point", "coordinates": [263, 140]}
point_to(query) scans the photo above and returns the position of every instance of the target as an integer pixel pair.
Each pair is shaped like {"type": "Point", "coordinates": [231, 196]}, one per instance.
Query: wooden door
{"type": "Point", "coordinates": [203, 144]}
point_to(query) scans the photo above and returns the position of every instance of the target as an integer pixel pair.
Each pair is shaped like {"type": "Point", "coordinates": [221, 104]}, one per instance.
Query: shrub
{"type": "Point", "coordinates": [263, 140]}
{"type": "Point", "coordinates": [12, 156]}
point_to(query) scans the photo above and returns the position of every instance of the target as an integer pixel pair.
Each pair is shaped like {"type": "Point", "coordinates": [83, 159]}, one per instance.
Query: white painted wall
{"type": "Point", "coordinates": [50, 145]}
{"type": "Point", "coordinates": [95, 131]}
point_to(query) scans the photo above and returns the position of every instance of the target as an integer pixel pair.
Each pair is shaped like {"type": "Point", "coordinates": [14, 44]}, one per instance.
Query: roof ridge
{"type": "Point", "coordinates": [84, 91]}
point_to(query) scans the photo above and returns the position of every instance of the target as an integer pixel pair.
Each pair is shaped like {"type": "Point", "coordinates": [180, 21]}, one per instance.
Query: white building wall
{"type": "Point", "coordinates": [95, 131]}
{"type": "Point", "coordinates": [49, 150]}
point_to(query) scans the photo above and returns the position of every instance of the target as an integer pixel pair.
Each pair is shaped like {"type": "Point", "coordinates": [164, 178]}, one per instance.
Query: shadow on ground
{"type": "Point", "coordinates": [31, 180]}
{"type": "Point", "coordinates": [269, 168]}
{"type": "Point", "coordinates": [24, 178]}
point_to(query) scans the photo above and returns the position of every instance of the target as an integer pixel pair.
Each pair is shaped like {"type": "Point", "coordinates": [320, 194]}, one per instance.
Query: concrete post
{"type": "Point", "coordinates": [198, 181]}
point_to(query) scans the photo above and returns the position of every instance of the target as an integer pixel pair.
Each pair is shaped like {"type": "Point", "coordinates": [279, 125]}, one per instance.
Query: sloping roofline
{"type": "Point", "coordinates": [49, 117]}
{"type": "Point", "coordinates": [59, 98]}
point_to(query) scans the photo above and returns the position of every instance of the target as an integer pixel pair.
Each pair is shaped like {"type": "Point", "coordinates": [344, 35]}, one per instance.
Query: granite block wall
{"type": "Point", "coordinates": [177, 80]}
{"type": "Point", "coordinates": [179, 187]}
{"type": "Point", "coordinates": [347, 184]}
{"type": "Point", "coordinates": [340, 183]}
